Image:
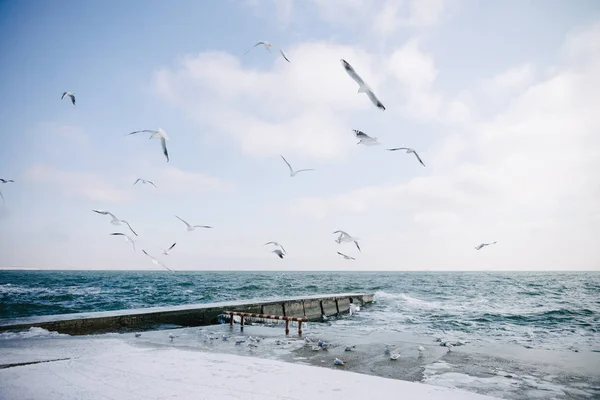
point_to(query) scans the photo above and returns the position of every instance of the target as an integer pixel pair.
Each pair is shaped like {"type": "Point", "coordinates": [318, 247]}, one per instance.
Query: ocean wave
{"type": "Point", "coordinates": [31, 333]}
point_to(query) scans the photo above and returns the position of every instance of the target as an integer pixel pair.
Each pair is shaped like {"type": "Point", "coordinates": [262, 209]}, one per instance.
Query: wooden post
{"type": "Point", "coordinates": [242, 322]}
{"type": "Point", "coordinates": [231, 320]}
{"type": "Point", "coordinates": [299, 328]}
{"type": "Point", "coordinates": [287, 326]}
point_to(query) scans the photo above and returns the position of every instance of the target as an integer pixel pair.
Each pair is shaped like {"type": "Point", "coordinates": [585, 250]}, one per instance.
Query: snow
{"type": "Point", "coordinates": [115, 369]}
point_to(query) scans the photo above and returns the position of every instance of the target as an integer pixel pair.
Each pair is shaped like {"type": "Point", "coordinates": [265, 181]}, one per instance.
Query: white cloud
{"type": "Point", "coordinates": [77, 184]}
{"type": "Point", "coordinates": [307, 106]}
{"type": "Point", "coordinates": [386, 20]}
{"type": "Point", "coordinates": [529, 174]}
{"type": "Point", "coordinates": [177, 182]}
{"type": "Point", "coordinates": [384, 17]}
{"type": "Point", "coordinates": [512, 79]}
{"type": "Point", "coordinates": [264, 8]}
{"type": "Point", "coordinates": [425, 12]}
{"type": "Point", "coordinates": [302, 107]}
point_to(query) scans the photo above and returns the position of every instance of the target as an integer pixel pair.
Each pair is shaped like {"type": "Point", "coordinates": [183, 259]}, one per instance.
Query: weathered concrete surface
{"type": "Point", "coordinates": [329, 307]}
{"type": "Point", "coordinates": [313, 307]}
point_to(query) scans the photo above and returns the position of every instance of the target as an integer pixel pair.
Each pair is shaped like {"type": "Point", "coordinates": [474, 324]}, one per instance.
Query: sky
{"type": "Point", "coordinates": [500, 99]}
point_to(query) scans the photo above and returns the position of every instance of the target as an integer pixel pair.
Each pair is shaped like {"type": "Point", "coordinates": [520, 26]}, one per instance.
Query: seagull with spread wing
{"type": "Point", "coordinates": [482, 245]}
{"type": "Point", "coordinates": [6, 181]}
{"type": "Point", "coordinates": [364, 138]}
{"type": "Point", "coordinates": [144, 182]}
{"type": "Point", "coordinates": [71, 95]}
{"type": "Point", "coordinates": [362, 86]}
{"type": "Point", "coordinates": [276, 244]}
{"type": "Point", "coordinates": [166, 252]}
{"type": "Point", "coordinates": [127, 238]}
{"type": "Point", "coordinates": [155, 261]}
{"type": "Point", "coordinates": [279, 253]}
{"type": "Point", "coordinates": [159, 134]}
{"type": "Point", "coordinates": [268, 46]}
{"type": "Point", "coordinates": [346, 257]}
{"type": "Point", "coordinates": [292, 172]}
{"type": "Point", "coordinates": [192, 227]}
{"type": "Point", "coordinates": [408, 151]}
{"type": "Point", "coordinates": [115, 220]}
{"type": "Point", "coordinates": [345, 237]}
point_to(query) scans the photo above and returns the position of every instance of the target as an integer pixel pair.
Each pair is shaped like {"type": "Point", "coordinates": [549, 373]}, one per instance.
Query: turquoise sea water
{"type": "Point", "coordinates": [536, 310]}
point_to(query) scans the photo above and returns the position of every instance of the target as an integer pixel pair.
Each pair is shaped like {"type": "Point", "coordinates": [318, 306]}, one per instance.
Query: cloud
{"type": "Point", "coordinates": [425, 12]}
{"type": "Point", "coordinates": [527, 174]}
{"type": "Point", "coordinates": [384, 16]}
{"type": "Point", "coordinates": [303, 107]}
{"type": "Point", "coordinates": [178, 182]}
{"type": "Point", "coordinates": [77, 184]}
{"type": "Point", "coordinates": [309, 106]}
{"type": "Point", "coordinates": [517, 78]}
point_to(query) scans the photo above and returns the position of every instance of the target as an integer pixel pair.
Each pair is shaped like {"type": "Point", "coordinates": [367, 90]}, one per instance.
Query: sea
{"type": "Point", "coordinates": [521, 334]}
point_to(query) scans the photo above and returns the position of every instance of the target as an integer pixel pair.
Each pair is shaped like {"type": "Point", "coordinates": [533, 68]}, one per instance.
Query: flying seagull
{"type": "Point", "coordinates": [268, 48]}
{"type": "Point", "coordinates": [344, 237]}
{"type": "Point", "coordinates": [166, 252]}
{"type": "Point", "coordinates": [155, 261]}
{"type": "Point", "coordinates": [364, 138]}
{"type": "Point", "coordinates": [346, 257]}
{"type": "Point", "coordinates": [408, 151]}
{"type": "Point", "coordinates": [127, 238]}
{"type": "Point", "coordinates": [71, 95]}
{"type": "Point", "coordinates": [482, 245]}
{"type": "Point", "coordinates": [292, 172]}
{"type": "Point", "coordinates": [115, 220]}
{"type": "Point", "coordinates": [159, 134]}
{"type": "Point", "coordinates": [362, 86]}
{"type": "Point", "coordinates": [6, 180]}
{"type": "Point", "coordinates": [192, 227]}
{"type": "Point", "coordinates": [144, 181]}
{"type": "Point", "coordinates": [276, 244]}
{"type": "Point", "coordinates": [2, 197]}
{"type": "Point", "coordinates": [278, 252]}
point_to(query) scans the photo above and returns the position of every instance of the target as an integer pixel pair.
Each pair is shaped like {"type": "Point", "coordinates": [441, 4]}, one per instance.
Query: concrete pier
{"type": "Point", "coordinates": [312, 307]}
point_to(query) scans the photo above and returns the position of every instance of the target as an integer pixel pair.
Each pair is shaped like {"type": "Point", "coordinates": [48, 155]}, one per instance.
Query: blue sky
{"type": "Point", "coordinates": [498, 98]}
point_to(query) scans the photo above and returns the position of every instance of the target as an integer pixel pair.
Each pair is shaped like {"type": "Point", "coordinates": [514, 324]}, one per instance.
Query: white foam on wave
{"type": "Point", "coordinates": [31, 333]}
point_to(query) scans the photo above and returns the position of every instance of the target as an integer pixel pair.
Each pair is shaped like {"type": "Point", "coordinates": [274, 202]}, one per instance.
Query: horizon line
{"type": "Point", "coordinates": [285, 270]}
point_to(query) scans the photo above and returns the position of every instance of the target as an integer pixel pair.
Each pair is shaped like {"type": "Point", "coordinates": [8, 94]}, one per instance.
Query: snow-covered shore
{"type": "Point", "coordinates": [122, 371]}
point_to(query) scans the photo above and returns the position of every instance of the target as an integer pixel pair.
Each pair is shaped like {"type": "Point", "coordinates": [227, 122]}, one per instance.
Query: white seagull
{"type": "Point", "coordinates": [144, 181]}
{"type": "Point", "coordinates": [276, 244]}
{"type": "Point", "coordinates": [292, 172]}
{"type": "Point", "coordinates": [421, 350]}
{"type": "Point", "coordinates": [192, 227]}
{"type": "Point", "coordinates": [115, 220]}
{"type": "Point", "coordinates": [155, 261]}
{"type": "Point", "coordinates": [408, 151]}
{"type": "Point", "coordinates": [346, 257]}
{"type": "Point", "coordinates": [6, 181]}
{"type": "Point", "coordinates": [394, 356]}
{"type": "Point", "coordinates": [344, 237]}
{"type": "Point", "coordinates": [159, 134]}
{"type": "Point", "coordinates": [278, 252]}
{"type": "Point", "coordinates": [166, 252]}
{"type": "Point", "coordinates": [127, 238]}
{"type": "Point", "coordinates": [337, 361]}
{"type": "Point", "coordinates": [71, 95]}
{"type": "Point", "coordinates": [362, 86]}
{"type": "Point", "coordinates": [364, 138]}
{"type": "Point", "coordinates": [482, 245]}
{"type": "Point", "coordinates": [353, 309]}
{"type": "Point", "coordinates": [268, 48]}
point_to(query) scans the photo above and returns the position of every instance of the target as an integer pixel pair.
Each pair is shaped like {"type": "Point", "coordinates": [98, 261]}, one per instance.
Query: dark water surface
{"type": "Point", "coordinates": [549, 310]}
